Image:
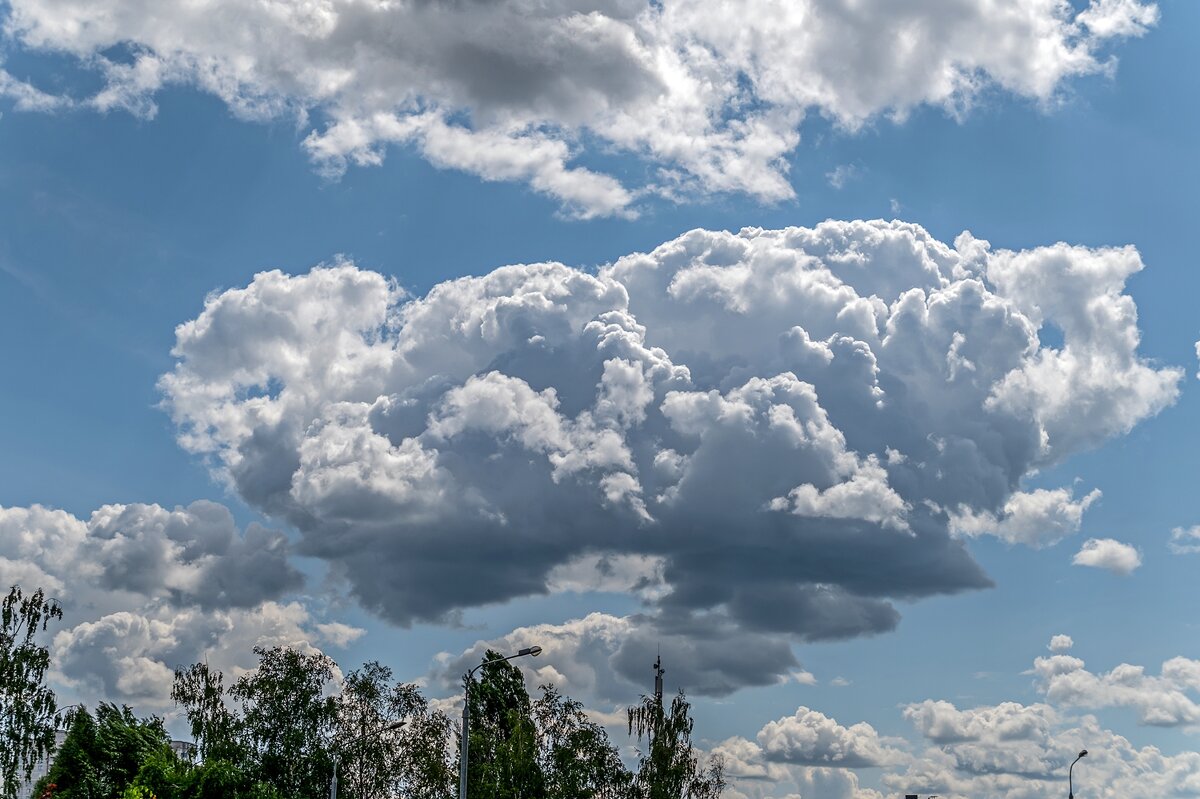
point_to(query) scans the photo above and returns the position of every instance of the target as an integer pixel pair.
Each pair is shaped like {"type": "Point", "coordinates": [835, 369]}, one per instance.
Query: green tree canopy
{"type": "Point", "coordinates": [577, 759]}
{"type": "Point", "coordinates": [503, 759]}
{"type": "Point", "coordinates": [668, 767]}
{"type": "Point", "coordinates": [288, 719]}
{"type": "Point", "coordinates": [74, 773]}
{"type": "Point", "coordinates": [216, 731]}
{"type": "Point", "coordinates": [27, 705]}
{"type": "Point", "coordinates": [378, 760]}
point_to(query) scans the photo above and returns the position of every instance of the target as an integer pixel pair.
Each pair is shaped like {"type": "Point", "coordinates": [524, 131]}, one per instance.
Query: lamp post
{"type": "Point", "coordinates": [532, 651]}
{"type": "Point", "coordinates": [1071, 774]}
{"type": "Point", "coordinates": [333, 785]}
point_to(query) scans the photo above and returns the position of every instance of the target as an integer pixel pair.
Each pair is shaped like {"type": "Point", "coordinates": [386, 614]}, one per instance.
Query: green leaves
{"type": "Point", "coordinates": [503, 759]}
{"type": "Point", "coordinates": [577, 758]}
{"type": "Point", "coordinates": [668, 767]}
{"type": "Point", "coordinates": [27, 707]}
{"type": "Point", "coordinates": [287, 719]}
{"type": "Point", "coordinates": [279, 729]}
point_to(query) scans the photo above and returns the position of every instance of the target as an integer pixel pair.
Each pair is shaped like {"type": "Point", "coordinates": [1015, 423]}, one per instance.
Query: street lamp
{"type": "Point", "coordinates": [333, 785]}
{"type": "Point", "coordinates": [532, 651]}
{"type": "Point", "coordinates": [1071, 774]}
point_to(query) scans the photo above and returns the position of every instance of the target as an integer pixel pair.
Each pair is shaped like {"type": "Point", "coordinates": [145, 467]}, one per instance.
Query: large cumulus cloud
{"type": "Point", "coordinates": [778, 425]}
{"type": "Point", "coordinates": [710, 95]}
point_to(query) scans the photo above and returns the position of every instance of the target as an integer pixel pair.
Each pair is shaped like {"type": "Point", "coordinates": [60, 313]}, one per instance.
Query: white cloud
{"type": "Point", "coordinates": [1030, 762]}
{"type": "Point", "coordinates": [711, 95]}
{"type": "Point", "coordinates": [1060, 643]}
{"type": "Point", "coordinates": [26, 97]}
{"type": "Point", "coordinates": [810, 738]}
{"type": "Point", "coordinates": [1185, 540]}
{"type": "Point", "coordinates": [145, 589]}
{"type": "Point", "coordinates": [842, 174]}
{"type": "Point", "coordinates": [1107, 553]}
{"type": "Point", "coordinates": [1035, 518]}
{"type": "Point", "coordinates": [1100, 337]}
{"type": "Point", "coordinates": [1018, 750]}
{"type": "Point", "coordinates": [1007, 750]}
{"type": "Point", "coordinates": [755, 429]}
{"type": "Point", "coordinates": [639, 574]}
{"type": "Point", "coordinates": [809, 753]}
{"type": "Point", "coordinates": [1160, 701]}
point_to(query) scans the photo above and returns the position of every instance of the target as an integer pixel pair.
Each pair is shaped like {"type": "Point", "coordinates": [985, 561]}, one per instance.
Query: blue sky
{"type": "Point", "coordinates": [116, 224]}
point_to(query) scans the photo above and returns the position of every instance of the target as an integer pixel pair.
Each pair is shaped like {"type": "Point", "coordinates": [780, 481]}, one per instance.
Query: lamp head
{"type": "Point", "coordinates": [532, 651]}
{"type": "Point", "coordinates": [1083, 753]}
{"type": "Point", "coordinates": [394, 726]}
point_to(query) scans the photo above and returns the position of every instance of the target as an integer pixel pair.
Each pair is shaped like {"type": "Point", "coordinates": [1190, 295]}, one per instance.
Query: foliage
{"type": "Point", "coordinates": [101, 757]}
{"type": "Point", "coordinates": [287, 718]}
{"type": "Point", "coordinates": [201, 693]}
{"type": "Point", "coordinates": [577, 759]}
{"type": "Point", "coordinates": [503, 759]}
{"type": "Point", "coordinates": [276, 733]}
{"type": "Point", "coordinates": [74, 772]}
{"type": "Point", "coordinates": [123, 743]}
{"type": "Point", "coordinates": [668, 768]}
{"type": "Point", "coordinates": [27, 706]}
{"type": "Point", "coordinates": [379, 760]}
{"type": "Point", "coordinates": [425, 765]}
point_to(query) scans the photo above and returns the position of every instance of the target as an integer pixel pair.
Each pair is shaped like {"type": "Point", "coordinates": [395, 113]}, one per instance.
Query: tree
{"type": "Point", "coordinates": [668, 768]}
{"type": "Point", "coordinates": [287, 720]}
{"type": "Point", "coordinates": [365, 751]}
{"type": "Point", "coordinates": [503, 751]}
{"type": "Point", "coordinates": [27, 706]}
{"type": "Point", "coordinates": [102, 757]}
{"type": "Point", "coordinates": [411, 761]}
{"type": "Point", "coordinates": [74, 773]}
{"type": "Point", "coordinates": [200, 691]}
{"type": "Point", "coordinates": [123, 743]}
{"type": "Point", "coordinates": [576, 757]}
{"type": "Point", "coordinates": [425, 768]}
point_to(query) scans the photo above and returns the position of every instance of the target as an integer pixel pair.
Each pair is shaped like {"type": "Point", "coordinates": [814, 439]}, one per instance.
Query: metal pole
{"type": "Point", "coordinates": [333, 784]}
{"type": "Point", "coordinates": [466, 736]}
{"type": "Point", "coordinates": [1071, 774]}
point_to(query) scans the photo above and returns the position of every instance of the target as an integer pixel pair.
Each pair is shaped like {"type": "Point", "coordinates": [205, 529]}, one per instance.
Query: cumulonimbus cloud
{"type": "Point", "coordinates": [710, 95]}
{"type": "Point", "coordinates": [773, 427]}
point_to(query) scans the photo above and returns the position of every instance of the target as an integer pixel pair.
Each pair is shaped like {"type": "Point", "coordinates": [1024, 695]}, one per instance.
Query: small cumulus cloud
{"type": "Point", "coordinates": [1060, 643]}
{"type": "Point", "coordinates": [1110, 554]}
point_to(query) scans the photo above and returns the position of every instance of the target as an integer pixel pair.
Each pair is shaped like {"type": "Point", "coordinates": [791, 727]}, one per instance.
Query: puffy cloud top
{"type": "Point", "coordinates": [773, 426]}
{"type": "Point", "coordinates": [710, 94]}
{"type": "Point", "coordinates": [809, 737]}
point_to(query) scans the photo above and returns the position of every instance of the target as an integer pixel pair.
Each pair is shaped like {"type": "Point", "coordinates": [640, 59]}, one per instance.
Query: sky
{"type": "Point", "coordinates": [842, 351]}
